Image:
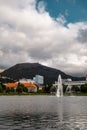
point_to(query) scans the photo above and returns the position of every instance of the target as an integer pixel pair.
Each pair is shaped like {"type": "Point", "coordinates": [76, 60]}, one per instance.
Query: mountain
{"type": "Point", "coordinates": [29, 70]}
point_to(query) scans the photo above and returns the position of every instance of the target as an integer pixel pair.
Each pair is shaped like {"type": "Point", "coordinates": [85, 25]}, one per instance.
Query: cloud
{"type": "Point", "coordinates": [28, 34]}
{"type": "Point", "coordinates": [41, 7]}
{"type": "Point", "coordinates": [82, 35]}
{"type": "Point", "coordinates": [61, 19]}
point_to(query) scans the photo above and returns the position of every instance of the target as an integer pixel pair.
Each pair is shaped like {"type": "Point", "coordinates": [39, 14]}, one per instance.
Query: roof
{"type": "Point", "coordinates": [29, 84]}
{"type": "Point", "coordinates": [11, 85]}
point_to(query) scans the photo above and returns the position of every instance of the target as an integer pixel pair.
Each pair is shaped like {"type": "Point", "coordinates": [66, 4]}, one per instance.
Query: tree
{"type": "Point", "coordinates": [25, 89]}
{"type": "Point", "coordinates": [75, 88]}
{"type": "Point", "coordinates": [12, 90]}
{"type": "Point", "coordinates": [84, 88]}
{"type": "Point", "coordinates": [64, 88]}
{"type": "Point", "coordinates": [47, 88]}
{"type": "Point", "coordinates": [52, 89]}
{"type": "Point", "coordinates": [1, 89]}
{"type": "Point", "coordinates": [3, 86]}
{"type": "Point", "coordinates": [19, 88]}
{"type": "Point", "coordinates": [8, 90]}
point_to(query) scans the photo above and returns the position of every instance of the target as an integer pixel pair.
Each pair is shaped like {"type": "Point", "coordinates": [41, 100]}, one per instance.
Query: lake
{"type": "Point", "coordinates": [43, 113]}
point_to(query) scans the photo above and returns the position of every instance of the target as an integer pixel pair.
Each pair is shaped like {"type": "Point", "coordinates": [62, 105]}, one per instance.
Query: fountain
{"type": "Point", "coordinates": [59, 87]}
{"type": "Point", "coordinates": [69, 89]}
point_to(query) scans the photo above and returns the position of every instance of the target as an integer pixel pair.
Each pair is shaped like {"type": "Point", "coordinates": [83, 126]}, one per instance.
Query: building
{"type": "Point", "coordinates": [11, 85]}
{"type": "Point", "coordinates": [26, 80]}
{"type": "Point", "coordinates": [39, 79]}
{"type": "Point", "coordinates": [32, 87]}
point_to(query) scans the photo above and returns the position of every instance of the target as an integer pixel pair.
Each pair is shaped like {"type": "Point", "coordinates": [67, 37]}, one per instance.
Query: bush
{"type": "Point", "coordinates": [1, 89]}
{"type": "Point", "coordinates": [12, 90]}
{"type": "Point", "coordinates": [75, 88]}
{"type": "Point", "coordinates": [64, 88]}
{"type": "Point", "coordinates": [8, 90]}
{"type": "Point", "coordinates": [25, 89]}
{"type": "Point", "coordinates": [84, 88]}
{"type": "Point", "coordinates": [53, 89]}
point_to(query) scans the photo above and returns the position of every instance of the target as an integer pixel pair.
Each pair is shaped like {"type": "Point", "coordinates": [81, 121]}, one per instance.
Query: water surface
{"type": "Point", "coordinates": [43, 113]}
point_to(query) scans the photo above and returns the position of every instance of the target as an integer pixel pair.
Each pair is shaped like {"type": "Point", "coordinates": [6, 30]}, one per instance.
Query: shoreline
{"type": "Point", "coordinates": [41, 94]}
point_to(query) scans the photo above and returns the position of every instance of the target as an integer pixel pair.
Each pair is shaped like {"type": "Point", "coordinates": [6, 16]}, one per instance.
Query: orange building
{"type": "Point", "coordinates": [31, 86]}
{"type": "Point", "coordinates": [11, 85]}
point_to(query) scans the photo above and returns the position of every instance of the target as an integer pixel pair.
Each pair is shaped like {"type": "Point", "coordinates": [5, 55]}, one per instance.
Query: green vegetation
{"type": "Point", "coordinates": [1, 90]}
{"type": "Point", "coordinates": [47, 90]}
{"type": "Point", "coordinates": [6, 80]}
{"type": "Point", "coordinates": [12, 91]}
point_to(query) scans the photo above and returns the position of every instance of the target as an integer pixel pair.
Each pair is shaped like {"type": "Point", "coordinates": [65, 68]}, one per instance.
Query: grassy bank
{"type": "Point", "coordinates": [30, 94]}
{"type": "Point", "coordinates": [24, 94]}
{"type": "Point", "coordinates": [76, 94]}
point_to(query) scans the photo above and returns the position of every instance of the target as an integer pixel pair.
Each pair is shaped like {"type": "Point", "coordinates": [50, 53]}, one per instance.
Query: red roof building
{"type": "Point", "coordinates": [31, 86]}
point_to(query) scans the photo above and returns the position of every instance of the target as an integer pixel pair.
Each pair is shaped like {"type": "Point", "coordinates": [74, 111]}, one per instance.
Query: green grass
{"type": "Point", "coordinates": [76, 94]}
{"type": "Point", "coordinates": [24, 94]}
{"type": "Point", "coordinates": [40, 93]}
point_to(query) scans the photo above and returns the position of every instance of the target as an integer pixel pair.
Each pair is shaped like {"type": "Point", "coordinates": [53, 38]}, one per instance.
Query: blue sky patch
{"type": "Point", "coordinates": [73, 10]}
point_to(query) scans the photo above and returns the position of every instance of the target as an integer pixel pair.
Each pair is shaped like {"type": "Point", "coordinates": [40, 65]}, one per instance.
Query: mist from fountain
{"type": "Point", "coordinates": [59, 87]}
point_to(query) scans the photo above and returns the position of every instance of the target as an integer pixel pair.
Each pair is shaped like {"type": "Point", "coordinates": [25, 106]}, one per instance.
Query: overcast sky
{"type": "Point", "coordinates": [51, 32]}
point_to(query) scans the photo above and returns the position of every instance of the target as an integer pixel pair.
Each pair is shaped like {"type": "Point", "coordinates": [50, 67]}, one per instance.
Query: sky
{"type": "Point", "coordinates": [50, 32]}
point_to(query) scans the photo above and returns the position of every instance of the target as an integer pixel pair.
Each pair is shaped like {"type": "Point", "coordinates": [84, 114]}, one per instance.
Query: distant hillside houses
{"type": "Point", "coordinates": [26, 80]}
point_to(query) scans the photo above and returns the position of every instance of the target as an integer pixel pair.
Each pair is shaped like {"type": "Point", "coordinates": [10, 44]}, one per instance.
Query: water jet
{"type": "Point", "coordinates": [59, 87]}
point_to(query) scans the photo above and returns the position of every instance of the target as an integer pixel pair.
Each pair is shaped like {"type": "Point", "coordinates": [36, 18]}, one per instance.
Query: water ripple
{"type": "Point", "coordinates": [43, 113]}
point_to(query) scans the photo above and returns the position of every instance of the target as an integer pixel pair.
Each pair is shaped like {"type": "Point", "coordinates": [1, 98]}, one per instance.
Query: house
{"type": "Point", "coordinates": [11, 85]}
{"type": "Point", "coordinates": [31, 86]}
{"type": "Point", "coordinates": [26, 80]}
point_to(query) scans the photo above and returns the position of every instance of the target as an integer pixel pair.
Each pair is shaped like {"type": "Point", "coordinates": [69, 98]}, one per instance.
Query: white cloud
{"type": "Point", "coordinates": [41, 7]}
{"type": "Point", "coordinates": [61, 19]}
{"type": "Point", "coordinates": [31, 35]}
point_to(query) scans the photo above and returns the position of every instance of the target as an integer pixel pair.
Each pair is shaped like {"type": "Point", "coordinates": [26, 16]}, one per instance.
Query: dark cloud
{"type": "Point", "coordinates": [82, 36]}
{"type": "Point", "coordinates": [40, 54]}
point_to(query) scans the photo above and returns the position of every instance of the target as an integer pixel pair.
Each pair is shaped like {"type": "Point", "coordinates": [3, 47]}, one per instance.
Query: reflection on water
{"type": "Point", "coordinates": [43, 113]}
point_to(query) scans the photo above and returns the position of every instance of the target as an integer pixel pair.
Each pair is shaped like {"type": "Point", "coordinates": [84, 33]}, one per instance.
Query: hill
{"type": "Point", "coordinates": [29, 70]}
